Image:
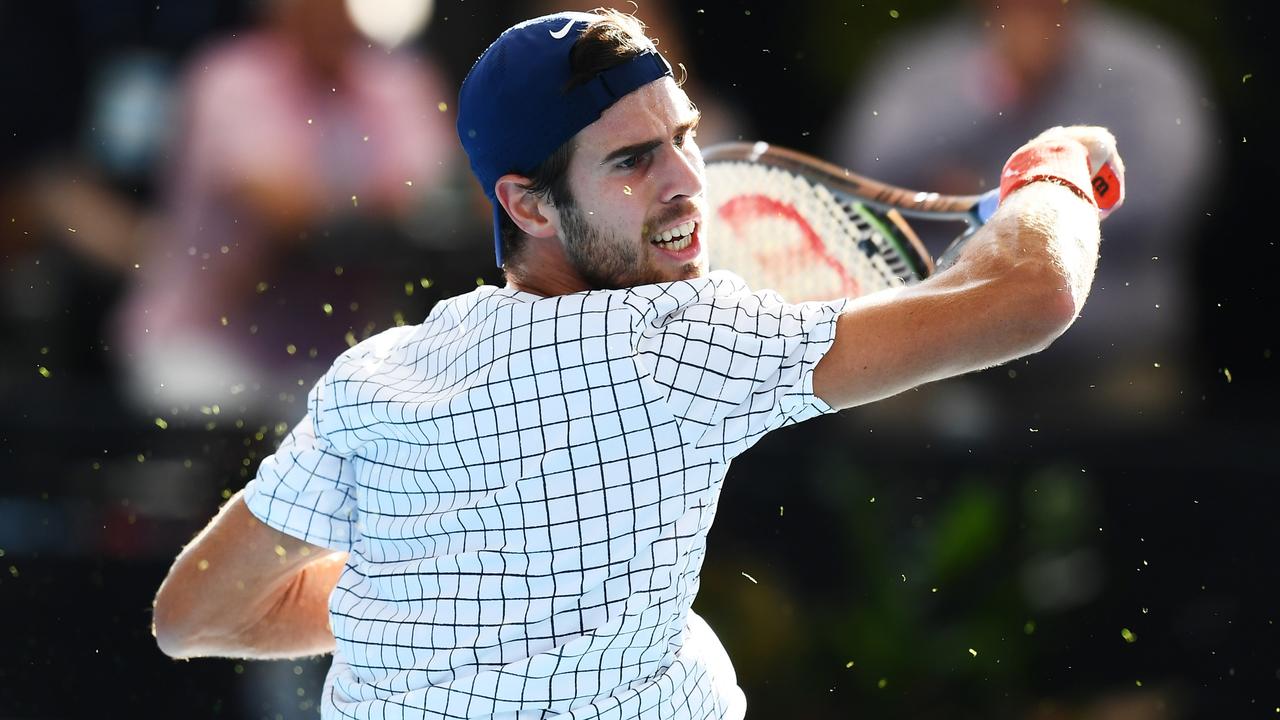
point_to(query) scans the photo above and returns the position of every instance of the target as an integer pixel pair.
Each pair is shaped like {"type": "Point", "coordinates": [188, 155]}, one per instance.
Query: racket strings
{"type": "Point", "coordinates": [780, 231]}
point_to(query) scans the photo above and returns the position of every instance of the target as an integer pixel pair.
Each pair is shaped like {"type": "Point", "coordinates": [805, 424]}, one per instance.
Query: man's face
{"type": "Point", "coordinates": [637, 183]}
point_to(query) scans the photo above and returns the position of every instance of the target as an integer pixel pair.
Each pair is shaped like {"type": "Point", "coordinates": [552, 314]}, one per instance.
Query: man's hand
{"type": "Point", "coordinates": [1054, 155]}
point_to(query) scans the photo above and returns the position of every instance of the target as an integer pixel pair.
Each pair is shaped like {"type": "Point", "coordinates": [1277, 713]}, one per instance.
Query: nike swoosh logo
{"type": "Point", "coordinates": [559, 35]}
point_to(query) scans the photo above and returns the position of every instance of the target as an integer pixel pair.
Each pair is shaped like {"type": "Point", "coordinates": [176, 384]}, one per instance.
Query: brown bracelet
{"type": "Point", "coordinates": [1080, 193]}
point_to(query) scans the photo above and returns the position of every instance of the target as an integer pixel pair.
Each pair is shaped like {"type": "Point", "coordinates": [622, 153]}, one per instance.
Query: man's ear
{"type": "Point", "coordinates": [531, 212]}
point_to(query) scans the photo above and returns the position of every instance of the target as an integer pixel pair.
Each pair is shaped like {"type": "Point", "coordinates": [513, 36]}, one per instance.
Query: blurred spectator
{"type": "Point", "coordinates": [944, 107]}
{"type": "Point", "coordinates": [303, 153]}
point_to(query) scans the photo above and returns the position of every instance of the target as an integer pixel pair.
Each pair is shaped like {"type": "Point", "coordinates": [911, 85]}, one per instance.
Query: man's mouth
{"type": "Point", "coordinates": [677, 238]}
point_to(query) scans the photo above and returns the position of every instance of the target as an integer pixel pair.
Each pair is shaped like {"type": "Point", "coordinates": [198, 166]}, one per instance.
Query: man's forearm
{"type": "Point", "coordinates": [243, 589]}
{"type": "Point", "coordinates": [295, 624]}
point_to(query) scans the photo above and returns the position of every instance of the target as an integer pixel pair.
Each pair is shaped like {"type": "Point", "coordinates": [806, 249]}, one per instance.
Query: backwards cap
{"type": "Point", "coordinates": [515, 107]}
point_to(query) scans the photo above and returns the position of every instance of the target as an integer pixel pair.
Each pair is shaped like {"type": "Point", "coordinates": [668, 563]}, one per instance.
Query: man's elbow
{"type": "Point", "coordinates": [180, 623]}
{"type": "Point", "coordinates": [1049, 306]}
{"type": "Point", "coordinates": [174, 633]}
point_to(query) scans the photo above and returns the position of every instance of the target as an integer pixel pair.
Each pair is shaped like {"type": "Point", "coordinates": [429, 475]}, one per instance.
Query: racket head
{"type": "Point", "coordinates": [790, 222]}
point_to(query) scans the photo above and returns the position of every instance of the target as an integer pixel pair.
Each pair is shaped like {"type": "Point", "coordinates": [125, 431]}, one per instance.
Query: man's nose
{"type": "Point", "coordinates": [682, 172]}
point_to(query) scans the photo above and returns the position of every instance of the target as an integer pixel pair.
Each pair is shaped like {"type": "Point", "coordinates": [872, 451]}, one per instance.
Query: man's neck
{"type": "Point", "coordinates": [543, 269]}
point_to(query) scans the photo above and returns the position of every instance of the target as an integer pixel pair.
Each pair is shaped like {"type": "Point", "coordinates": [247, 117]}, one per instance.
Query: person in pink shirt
{"type": "Point", "coordinates": [303, 153]}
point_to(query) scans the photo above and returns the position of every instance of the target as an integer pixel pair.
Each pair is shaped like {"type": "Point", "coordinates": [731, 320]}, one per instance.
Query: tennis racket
{"type": "Point", "coordinates": [810, 230]}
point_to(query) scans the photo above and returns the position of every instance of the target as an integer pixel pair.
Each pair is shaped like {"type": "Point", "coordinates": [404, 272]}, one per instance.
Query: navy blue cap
{"type": "Point", "coordinates": [515, 108]}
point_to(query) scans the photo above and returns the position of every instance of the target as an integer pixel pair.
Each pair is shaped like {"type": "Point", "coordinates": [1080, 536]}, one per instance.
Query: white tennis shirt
{"type": "Point", "coordinates": [525, 485]}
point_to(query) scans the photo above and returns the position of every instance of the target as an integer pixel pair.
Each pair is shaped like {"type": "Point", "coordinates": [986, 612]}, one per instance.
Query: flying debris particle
{"type": "Point", "coordinates": [350, 338]}
{"type": "Point", "coordinates": [626, 189]}
{"type": "Point", "coordinates": [893, 14]}
{"type": "Point", "coordinates": [883, 683]}
{"type": "Point", "coordinates": [780, 510]}
{"type": "Point", "coordinates": [337, 270]}
{"type": "Point", "coordinates": [328, 310]}
{"type": "Point", "coordinates": [425, 283]}
{"type": "Point", "coordinates": [753, 580]}
{"type": "Point", "coordinates": [408, 183]}
{"type": "Point", "coordinates": [280, 428]}
{"type": "Point", "coordinates": [142, 458]}
{"type": "Point", "coordinates": [873, 498]}
{"type": "Point", "coordinates": [280, 551]}
{"type": "Point", "coordinates": [355, 202]}
{"type": "Point", "coordinates": [904, 578]}
{"type": "Point", "coordinates": [224, 320]}
{"type": "Point", "coordinates": [44, 371]}
{"type": "Point", "coordinates": [261, 287]}
{"type": "Point", "coordinates": [309, 121]}
{"type": "Point", "coordinates": [1029, 627]}
{"type": "Point", "coordinates": [1128, 635]}
{"type": "Point", "coordinates": [291, 348]}
{"type": "Point", "coordinates": [202, 565]}
{"type": "Point", "coordinates": [1245, 79]}
{"type": "Point", "coordinates": [973, 652]}
{"type": "Point", "coordinates": [162, 423]}
{"type": "Point", "coordinates": [443, 106]}
{"type": "Point", "coordinates": [1227, 372]}
{"type": "Point", "coordinates": [848, 664]}
{"type": "Point", "coordinates": [13, 570]}
{"type": "Point", "coordinates": [71, 229]}
{"type": "Point", "coordinates": [408, 288]}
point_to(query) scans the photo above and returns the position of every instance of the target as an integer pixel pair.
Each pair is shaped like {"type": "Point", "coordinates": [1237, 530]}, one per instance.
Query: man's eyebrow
{"type": "Point", "coordinates": [644, 147]}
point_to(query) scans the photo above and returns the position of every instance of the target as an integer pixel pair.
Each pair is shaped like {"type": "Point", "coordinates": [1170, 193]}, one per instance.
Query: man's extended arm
{"type": "Point", "coordinates": [244, 589]}
{"type": "Point", "coordinates": [1016, 286]}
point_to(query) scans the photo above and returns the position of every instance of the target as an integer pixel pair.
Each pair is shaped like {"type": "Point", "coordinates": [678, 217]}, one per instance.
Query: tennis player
{"type": "Point", "coordinates": [502, 512]}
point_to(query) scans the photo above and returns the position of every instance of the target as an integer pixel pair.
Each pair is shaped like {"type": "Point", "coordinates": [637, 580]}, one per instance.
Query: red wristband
{"type": "Point", "coordinates": [1063, 163]}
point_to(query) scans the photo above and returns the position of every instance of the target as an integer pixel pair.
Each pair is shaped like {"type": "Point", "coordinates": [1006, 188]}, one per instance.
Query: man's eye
{"type": "Point", "coordinates": [628, 163]}
{"type": "Point", "coordinates": [684, 137]}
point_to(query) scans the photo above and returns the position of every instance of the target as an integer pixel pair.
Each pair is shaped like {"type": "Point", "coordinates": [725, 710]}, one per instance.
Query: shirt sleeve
{"type": "Point", "coordinates": [306, 488]}
{"type": "Point", "coordinates": [737, 365]}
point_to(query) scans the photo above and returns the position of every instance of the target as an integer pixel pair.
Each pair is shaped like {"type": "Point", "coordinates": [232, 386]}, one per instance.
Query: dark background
{"type": "Point", "coordinates": [881, 555]}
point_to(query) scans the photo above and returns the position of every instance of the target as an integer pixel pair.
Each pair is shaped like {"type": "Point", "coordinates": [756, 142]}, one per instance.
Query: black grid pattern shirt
{"type": "Point", "coordinates": [525, 486]}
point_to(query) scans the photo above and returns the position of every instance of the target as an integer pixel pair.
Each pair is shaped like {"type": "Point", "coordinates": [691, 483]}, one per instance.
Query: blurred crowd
{"type": "Point", "coordinates": [203, 204]}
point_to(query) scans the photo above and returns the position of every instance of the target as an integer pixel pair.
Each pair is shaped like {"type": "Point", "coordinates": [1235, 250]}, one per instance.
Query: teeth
{"type": "Point", "coordinates": [684, 231]}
